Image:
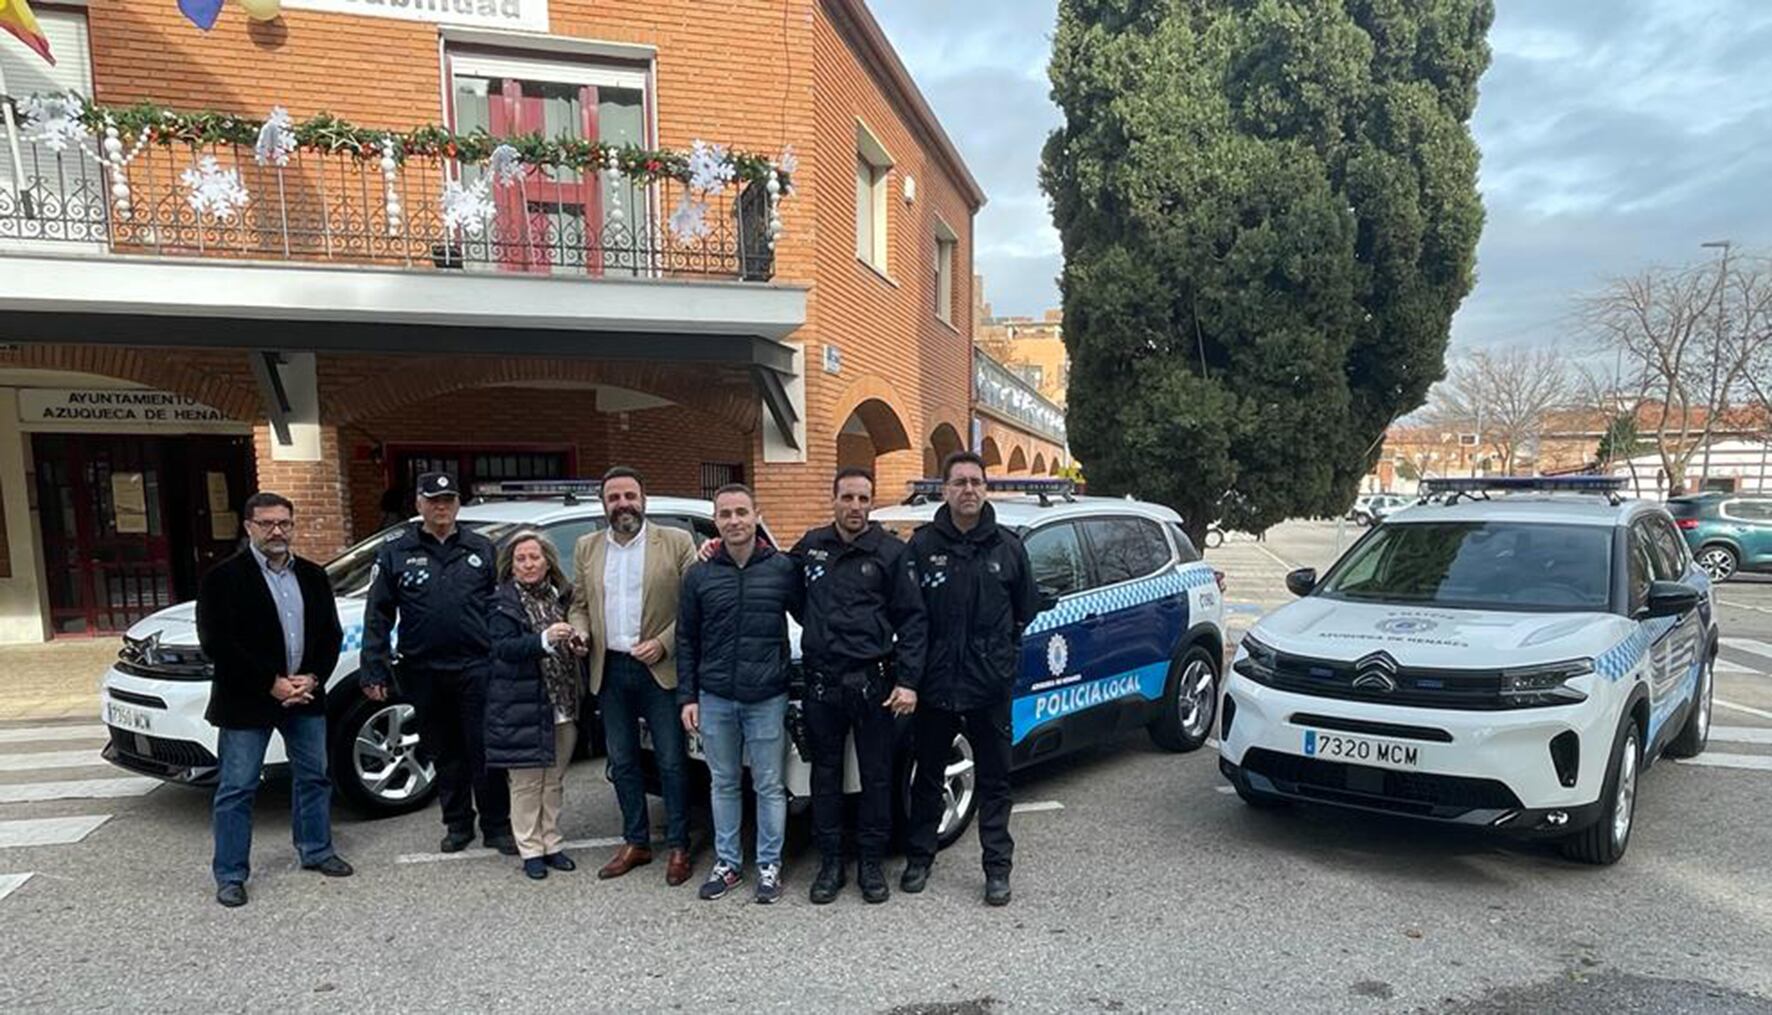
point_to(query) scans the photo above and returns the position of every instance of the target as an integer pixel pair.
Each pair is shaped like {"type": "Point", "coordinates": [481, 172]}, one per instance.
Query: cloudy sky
{"type": "Point", "coordinates": [1615, 133]}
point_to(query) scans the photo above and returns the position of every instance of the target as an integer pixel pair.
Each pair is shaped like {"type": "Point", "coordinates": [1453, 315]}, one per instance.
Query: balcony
{"type": "Point", "coordinates": [339, 209]}
{"type": "Point", "coordinates": [1003, 392]}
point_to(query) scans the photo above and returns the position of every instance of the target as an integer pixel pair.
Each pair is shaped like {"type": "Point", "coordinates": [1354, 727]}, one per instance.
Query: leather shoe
{"type": "Point", "coordinates": [332, 867]}
{"type": "Point", "coordinates": [829, 881]}
{"type": "Point", "coordinates": [455, 842]}
{"type": "Point", "coordinates": [231, 895]}
{"type": "Point", "coordinates": [915, 879]}
{"type": "Point", "coordinates": [873, 882]}
{"type": "Point", "coordinates": [503, 843]}
{"type": "Point", "coordinates": [559, 861]}
{"type": "Point", "coordinates": [535, 868]}
{"type": "Point", "coordinates": [626, 859]}
{"type": "Point", "coordinates": [677, 869]}
{"type": "Point", "coordinates": [996, 889]}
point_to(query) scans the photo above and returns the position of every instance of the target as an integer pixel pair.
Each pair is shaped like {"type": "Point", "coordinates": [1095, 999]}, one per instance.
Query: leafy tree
{"type": "Point", "coordinates": [1269, 214]}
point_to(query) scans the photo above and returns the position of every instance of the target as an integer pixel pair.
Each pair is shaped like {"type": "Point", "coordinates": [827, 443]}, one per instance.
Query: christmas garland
{"type": "Point", "coordinates": [331, 135]}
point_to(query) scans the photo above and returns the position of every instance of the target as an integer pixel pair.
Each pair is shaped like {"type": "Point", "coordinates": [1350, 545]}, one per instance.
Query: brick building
{"type": "Point", "coordinates": [1020, 371]}
{"type": "Point", "coordinates": [344, 330]}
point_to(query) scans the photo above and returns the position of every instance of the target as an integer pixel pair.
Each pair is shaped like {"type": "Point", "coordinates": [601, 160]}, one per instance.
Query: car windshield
{"type": "Point", "coordinates": [1515, 566]}
{"type": "Point", "coordinates": [349, 571]}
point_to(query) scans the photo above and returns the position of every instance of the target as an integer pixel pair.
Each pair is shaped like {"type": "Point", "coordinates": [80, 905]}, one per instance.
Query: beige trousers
{"type": "Point", "coordinates": [535, 798]}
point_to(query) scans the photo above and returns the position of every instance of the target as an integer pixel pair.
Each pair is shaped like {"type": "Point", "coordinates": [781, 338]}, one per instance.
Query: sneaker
{"type": "Point", "coordinates": [829, 881]}
{"type": "Point", "coordinates": [768, 883]}
{"type": "Point", "coordinates": [535, 868]}
{"type": "Point", "coordinates": [915, 879]}
{"type": "Point", "coordinates": [722, 879]}
{"type": "Point", "coordinates": [873, 882]}
{"type": "Point", "coordinates": [996, 889]}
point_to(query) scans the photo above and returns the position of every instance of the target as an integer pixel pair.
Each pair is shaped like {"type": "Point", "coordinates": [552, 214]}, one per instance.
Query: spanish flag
{"type": "Point", "coordinates": [16, 17]}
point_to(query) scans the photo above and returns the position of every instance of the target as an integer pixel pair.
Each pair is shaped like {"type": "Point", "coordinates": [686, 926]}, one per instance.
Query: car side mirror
{"type": "Point", "coordinates": [1302, 581]}
{"type": "Point", "coordinates": [1670, 599]}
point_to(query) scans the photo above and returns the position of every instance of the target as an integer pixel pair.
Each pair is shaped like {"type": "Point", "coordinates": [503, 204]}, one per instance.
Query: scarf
{"type": "Point", "coordinates": [541, 602]}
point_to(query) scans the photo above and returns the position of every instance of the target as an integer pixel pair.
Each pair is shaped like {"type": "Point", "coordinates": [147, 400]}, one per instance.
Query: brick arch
{"type": "Point", "coordinates": [1039, 466]}
{"type": "Point", "coordinates": [1018, 460]}
{"type": "Point", "coordinates": [212, 379]}
{"type": "Point", "coordinates": [991, 453]}
{"type": "Point", "coordinates": [881, 409]}
{"type": "Point", "coordinates": [735, 402]}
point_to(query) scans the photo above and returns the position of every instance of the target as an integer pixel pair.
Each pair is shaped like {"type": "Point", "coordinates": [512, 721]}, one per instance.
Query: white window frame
{"type": "Point", "coordinates": [563, 72]}
{"type": "Point", "coordinates": [947, 256]}
{"type": "Point", "coordinates": [873, 173]}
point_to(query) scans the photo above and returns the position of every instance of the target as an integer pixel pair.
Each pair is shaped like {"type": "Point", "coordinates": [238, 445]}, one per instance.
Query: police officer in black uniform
{"type": "Point", "coordinates": [439, 579]}
{"type": "Point", "coordinates": [978, 588]}
{"type": "Point", "coordinates": [862, 648]}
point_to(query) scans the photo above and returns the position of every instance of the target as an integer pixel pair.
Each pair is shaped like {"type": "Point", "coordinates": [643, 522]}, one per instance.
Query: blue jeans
{"type": "Point", "coordinates": [242, 762]}
{"type": "Point", "coordinates": [730, 732]}
{"type": "Point", "coordinates": [630, 694]}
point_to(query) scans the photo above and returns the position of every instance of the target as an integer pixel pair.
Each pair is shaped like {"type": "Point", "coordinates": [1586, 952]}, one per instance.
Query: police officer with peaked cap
{"type": "Point", "coordinates": [438, 580]}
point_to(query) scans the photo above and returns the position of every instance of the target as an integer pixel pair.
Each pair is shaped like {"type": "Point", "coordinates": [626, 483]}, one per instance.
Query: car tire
{"type": "Point", "coordinates": [1695, 734]}
{"type": "Point", "coordinates": [374, 759]}
{"type": "Point", "coordinates": [1604, 842]}
{"type": "Point", "coordinates": [1214, 538]}
{"type": "Point", "coordinates": [954, 825]}
{"type": "Point", "coordinates": [1190, 703]}
{"type": "Point", "coordinates": [1362, 519]}
{"type": "Point", "coordinates": [1718, 561]}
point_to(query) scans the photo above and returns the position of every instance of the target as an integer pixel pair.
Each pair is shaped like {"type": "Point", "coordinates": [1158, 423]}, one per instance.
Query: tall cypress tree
{"type": "Point", "coordinates": [1270, 214]}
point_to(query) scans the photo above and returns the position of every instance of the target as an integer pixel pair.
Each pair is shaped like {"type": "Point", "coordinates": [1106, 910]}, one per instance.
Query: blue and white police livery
{"type": "Point", "coordinates": [1508, 654]}
{"type": "Point", "coordinates": [1134, 633]}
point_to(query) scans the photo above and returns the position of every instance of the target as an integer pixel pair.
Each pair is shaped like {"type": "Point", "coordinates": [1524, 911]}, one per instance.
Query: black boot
{"type": "Point", "coordinates": [829, 881]}
{"type": "Point", "coordinates": [873, 882]}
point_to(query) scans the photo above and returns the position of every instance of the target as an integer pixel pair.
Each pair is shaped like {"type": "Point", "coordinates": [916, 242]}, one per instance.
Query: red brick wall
{"type": "Point", "coordinates": [316, 488]}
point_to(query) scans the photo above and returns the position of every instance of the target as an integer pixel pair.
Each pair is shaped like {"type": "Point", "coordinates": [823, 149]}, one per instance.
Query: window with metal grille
{"type": "Point", "coordinates": [714, 475]}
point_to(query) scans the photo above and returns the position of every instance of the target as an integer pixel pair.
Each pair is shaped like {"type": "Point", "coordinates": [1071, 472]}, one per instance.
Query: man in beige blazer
{"type": "Point", "coordinates": [624, 608]}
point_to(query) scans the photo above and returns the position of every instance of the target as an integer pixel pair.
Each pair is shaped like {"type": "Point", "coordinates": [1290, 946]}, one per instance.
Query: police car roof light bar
{"type": "Point", "coordinates": [537, 489]}
{"type": "Point", "coordinates": [1046, 489]}
{"type": "Point", "coordinates": [1455, 487]}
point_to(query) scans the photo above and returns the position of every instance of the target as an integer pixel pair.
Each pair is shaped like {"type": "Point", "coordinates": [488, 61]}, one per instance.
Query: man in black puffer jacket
{"type": "Point", "coordinates": [978, 588]}
{"type": "Point", "coordinates": [732, 684]}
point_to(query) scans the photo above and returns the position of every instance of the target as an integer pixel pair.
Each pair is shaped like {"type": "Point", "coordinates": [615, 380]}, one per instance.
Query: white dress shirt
{"type": "Point", "coordinates": [624, 573]}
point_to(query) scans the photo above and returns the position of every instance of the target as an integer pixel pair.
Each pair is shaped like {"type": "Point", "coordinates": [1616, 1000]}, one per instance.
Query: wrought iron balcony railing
{"type": "Point", "coordinates": [995, 386]}
{"type": "Point", "coordinates": [340, 208]}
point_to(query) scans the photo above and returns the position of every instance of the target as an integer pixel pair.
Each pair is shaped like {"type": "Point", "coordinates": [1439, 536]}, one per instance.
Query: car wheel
{"type": "Point", "coordinates": [1190, 703]}
{"type": "Point", "coordinates": [1362, 519]}
{"type": "Point", "coordinates": [959, 793]}
{"type": "Point", "coordinates": [1605, 841]}
{"type": "Point", "coordinates": [1696, 733]}
{"type": "Point", "coordinates": [1214, 538]}
{"type": "Point", "coordinates": [375, 760]}
{"type": "Point", "coordinates": [1718, 561]}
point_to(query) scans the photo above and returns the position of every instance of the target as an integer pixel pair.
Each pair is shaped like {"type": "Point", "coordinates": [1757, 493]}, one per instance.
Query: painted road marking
{"type": "Point", "coordinates": [1226, 789]}
{"type": "Point", "coordinates": [1741, 734]}
{"type": "Point", "coordinates": [1759, 762]}
{"type": "Point", "coordinates": [1762, 713]}
{"type": "Point", "coordinates": [482, 853]}
{"type": "Point", "coordinates": [49, 831]}
{"type": "Point", "coordinates": [34, 734]}
{"type": "Point", "coordinates": [10, 882]}
{"type": "Point", "coordinates": [1036, 807]}
{"type": "Point", "coordinates": [1748, 645]}
{"type": "Point", "coordinates": [76, 789]}
{"type": "Point", "coordinates": [1733, 605]}
{"type": "Point", "coordinates": [1725, 666]}
{"type": "Point", "coordinates": [38, 760]}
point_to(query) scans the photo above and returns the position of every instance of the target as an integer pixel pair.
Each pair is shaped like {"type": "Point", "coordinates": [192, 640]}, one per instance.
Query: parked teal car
{"type": "Point", "coordinates": [1728, 534]}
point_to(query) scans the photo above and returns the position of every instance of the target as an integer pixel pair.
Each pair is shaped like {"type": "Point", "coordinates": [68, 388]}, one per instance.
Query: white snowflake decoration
{"type": "Point", "coordinates": [505, 164]}
{"type": "Point", "coordinates": [54, 119]}
{"type": "Point", "coordinates": [468, 209]}
{"type": "Point", "coordinates": [690, 220]}
{"type": "Point", "coordinates": [276, 139]}
{"type": "Point", "coordinates": [709, 168]}
{"type": "Point", "coordinates": [789, 163]}
{"type": "Point", "coordinates": [215, 190]}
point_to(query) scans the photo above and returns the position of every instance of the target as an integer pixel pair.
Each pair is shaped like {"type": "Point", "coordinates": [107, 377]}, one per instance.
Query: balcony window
{"type": "Point", "coordinates": [38, 183]}
{"type": "Point", "coordinates": [873, 167]}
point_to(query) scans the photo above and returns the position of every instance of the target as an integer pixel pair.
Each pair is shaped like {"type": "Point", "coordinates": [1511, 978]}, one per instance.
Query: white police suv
{"type": "Point", "coordinates": [1509, 654]}
{"type": "Point", "coordinates": [1132, 635]}
{"type": "Point", "coordinates": [154, 695]}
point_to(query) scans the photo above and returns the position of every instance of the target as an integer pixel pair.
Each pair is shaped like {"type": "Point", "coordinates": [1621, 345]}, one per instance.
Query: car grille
{"type": "Point", "coordinates": [1471, 690]}
{"type": "Point", "coordinates": [1418, 793]}
{"type": "Point", "coordinates": [146, 657]}
{"type": "Point", "coordinates": [172, 753]}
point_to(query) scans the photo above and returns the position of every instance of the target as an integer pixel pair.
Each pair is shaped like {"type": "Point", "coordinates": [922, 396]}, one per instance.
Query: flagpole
{"type": "Point", "coordinates": [18, 162]}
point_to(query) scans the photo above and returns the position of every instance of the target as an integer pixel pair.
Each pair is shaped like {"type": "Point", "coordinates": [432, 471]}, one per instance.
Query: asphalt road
{"type": "Point", "coordinates": [1148, 888]}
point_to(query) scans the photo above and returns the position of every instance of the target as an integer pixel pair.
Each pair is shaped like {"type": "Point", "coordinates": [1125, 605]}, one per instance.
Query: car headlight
{"type": "Point", "coordinates": [1256, 661]}
{"type": "Point", "coordinates": [1545, 685]}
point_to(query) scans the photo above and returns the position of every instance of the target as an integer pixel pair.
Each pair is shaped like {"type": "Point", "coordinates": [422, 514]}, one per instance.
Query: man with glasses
{"type": "Point", "coordinates": [438, 579]}
{"type": "Point", "coordinates": [267, 621]}
{"type": "Point", "coordinates": [979, 594]}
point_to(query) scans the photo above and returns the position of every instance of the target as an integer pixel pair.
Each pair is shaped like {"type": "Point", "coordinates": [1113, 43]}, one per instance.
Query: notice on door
{"type": "Point", "coordinates": [129, 502]}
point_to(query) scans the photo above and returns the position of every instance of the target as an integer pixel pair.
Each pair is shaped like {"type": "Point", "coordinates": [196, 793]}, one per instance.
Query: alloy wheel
{"type": "Point", "coordinates": [385, 755]}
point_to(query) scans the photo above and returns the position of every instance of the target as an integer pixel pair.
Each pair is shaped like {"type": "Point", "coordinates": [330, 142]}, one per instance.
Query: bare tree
{"type": "Point", "coordinates": [1688, 338]}
{"type": "Point", "coordinates": [1504, 398]}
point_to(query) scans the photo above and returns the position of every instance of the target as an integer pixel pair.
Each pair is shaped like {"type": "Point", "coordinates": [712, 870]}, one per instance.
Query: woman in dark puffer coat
{"type": "Point", "coordinates": [533, 698]}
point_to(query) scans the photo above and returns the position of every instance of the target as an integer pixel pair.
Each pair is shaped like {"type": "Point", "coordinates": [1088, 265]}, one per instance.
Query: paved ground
{"type": "Point", "coordinates": [1148, 888]}
{"type": "Point", "coordinates": [54, 681]}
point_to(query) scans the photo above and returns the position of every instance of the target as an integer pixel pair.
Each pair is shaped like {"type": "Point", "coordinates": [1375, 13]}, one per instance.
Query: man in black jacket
{"type": "Point", "coordinates": [267, 621]}
{"type": "Point", "coordinates": [439, 580]}
{"type": "Point", "coordinates": [863, 647]}
{"type": "Point", "coordinates": [732, 684]}
{"type": "Point", "coordinates": [979, 590]}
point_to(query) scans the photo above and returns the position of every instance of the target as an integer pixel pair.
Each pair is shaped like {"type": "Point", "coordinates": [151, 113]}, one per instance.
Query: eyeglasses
{"type": "Point", "coordinates": [284, 525]}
